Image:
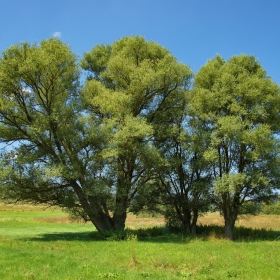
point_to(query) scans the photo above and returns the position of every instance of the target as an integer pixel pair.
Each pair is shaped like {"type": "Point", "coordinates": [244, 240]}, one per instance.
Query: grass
{"type": "Point", "coordinates": [38, 244]}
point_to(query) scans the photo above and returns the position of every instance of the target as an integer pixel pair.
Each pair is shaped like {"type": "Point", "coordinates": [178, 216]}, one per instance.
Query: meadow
{"type": "Point", "coordinates": [37, 243]}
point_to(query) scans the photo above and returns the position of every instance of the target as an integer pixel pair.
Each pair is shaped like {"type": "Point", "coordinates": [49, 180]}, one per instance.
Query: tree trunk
{"type": "Point", "coordinates": [101, 220]}
{"type": "Point", "coordinates": [185, 217]}
{"type": "Point", "coordinates": [230, 219]}
{"type": "Point", "coordinates": [121, 204]}
{"type": "Point", "coordinates": [230, 210]}
{"type": "Point", "coordinates": [229, 227]}
{"type": "Point", "coordinates": [120, 212]}
{"type": "Point", "coordinates": [194, 221]}
{"type": "Point", "coordinates": [101, 223]}
{"type": "Point", "coordinates": [98, 213]}
{"type": "Point", "coordinates": [186, 225]}
{"type": "Point", "coordinates": [119, 219]}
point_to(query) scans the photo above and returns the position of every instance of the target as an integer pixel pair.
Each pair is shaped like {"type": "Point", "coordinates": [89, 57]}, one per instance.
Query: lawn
{"type": "Point", "coordinates": [45, 244]}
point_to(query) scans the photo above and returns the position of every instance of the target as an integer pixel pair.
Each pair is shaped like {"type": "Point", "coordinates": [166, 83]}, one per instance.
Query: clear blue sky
{"type": "Point", "coordinates": [193, 30]}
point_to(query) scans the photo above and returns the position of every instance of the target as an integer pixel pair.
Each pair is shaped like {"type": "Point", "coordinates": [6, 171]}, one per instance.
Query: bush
{"type": "Point", "coordinates": [129, 234]}
{"type": "Point", "coordinates": [171, 218]}
{"type": "Point", "coordinates": [250, 207]}
{"type": "Point", "coordinates": [271, 209]}
{"type": "Point", "coordinates": [117, 235]}
{"type": "Point", "coordinates": [151, 232]}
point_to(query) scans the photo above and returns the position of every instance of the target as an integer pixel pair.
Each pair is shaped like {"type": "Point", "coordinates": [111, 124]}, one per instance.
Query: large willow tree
{"type": "Point", "coordinates": [135, 88]}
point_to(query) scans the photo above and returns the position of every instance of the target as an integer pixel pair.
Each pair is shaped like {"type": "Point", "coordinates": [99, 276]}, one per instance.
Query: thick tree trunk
{"type": "Point", "coordinates": [97, 211]}
{"type": "Point", "coordinates": [229, 227]}
{"type": "Point", "coordinates": [230, 209]}
{"type": "Point", "coordinates": [187, 225]}
{"type": "Point", "coordinates": [230, 215]}
{"type": "Point", "coordinates": [121, 204]}
{"type": "Point", "coordinates": [185, 217]}
{"type": "Point", "coordinates": [119, 219]}
{"type": "Point", "coordinates": [101, 220]}
{"type": "Point", "coordinates": [101, 223]}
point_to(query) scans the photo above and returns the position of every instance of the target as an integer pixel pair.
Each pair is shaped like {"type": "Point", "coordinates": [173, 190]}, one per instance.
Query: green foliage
{"type": "Point", "coordinates": [250, 208]}
{"type": "Point", "coordinates": [50, 148]}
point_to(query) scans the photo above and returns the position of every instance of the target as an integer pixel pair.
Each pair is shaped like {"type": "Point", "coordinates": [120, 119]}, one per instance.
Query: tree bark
{"type": "Point", "coordinates": [121, 203]}
{"type": "Point", "coordinates": [184, 216]}
{"type": "Point", "coordinates": [119, 219]}
{"type": "Point", "coordinates": [97, 216]}
{"type": "Point", "coordinates": [186, 225]}
{"type": "Point", "coordinates": [230, 210]}
{"type": "Point", "coordinates": [194, 221]}
{"type": "Point", "coordinates": [101, 223]}
{"type": "Point", "coordinates": [229, 227]}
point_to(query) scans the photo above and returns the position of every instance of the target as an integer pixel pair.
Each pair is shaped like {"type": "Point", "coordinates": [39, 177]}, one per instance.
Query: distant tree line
{"type": "Point", "coordinates": [142, 132]}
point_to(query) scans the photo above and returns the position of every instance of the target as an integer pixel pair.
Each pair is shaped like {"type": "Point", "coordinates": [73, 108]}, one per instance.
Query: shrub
{"type": "Point", "coordinates": [271, 209]}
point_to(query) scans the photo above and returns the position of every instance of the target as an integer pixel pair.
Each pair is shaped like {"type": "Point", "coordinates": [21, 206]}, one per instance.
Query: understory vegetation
{"type": "Point", "coordinates": [273, 208]}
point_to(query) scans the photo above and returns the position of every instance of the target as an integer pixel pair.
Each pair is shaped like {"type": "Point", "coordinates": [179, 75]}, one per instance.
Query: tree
{"type": "Point", "coordinates": [184, 176]}
{"type": "Point", "coordinates": [182, 182]}
{"type": "Point", "coordinates": [87, 149]}
{"type": "Point", "coordinates": [238, 105]}
{"type": "Point", "coordinates": [135, 88]}
{"type": "Point", "coordinates": [42, 124]}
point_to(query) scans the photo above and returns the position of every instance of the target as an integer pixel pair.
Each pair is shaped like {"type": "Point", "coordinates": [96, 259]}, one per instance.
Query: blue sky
{"type": "Point", "coordinates": [193, 30]}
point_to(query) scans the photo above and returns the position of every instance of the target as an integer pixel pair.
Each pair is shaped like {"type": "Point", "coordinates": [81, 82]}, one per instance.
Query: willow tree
{"type": "Point", "coordinates": [50, 156]}
{"type": "Point", "coordinates": [238, 106]}
{"type": "Point", "coordinates": [182, 187]}
{"type": "Point", "coordinates": [135, 88]}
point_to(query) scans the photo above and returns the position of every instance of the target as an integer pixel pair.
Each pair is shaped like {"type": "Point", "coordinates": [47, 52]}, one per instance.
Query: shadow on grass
{"type": "Point", "coordinates": [60, 236]}
{"type": "Point", "coordinates": [164, 235]}
{"type": "Point", "coordinates": [241, 234]}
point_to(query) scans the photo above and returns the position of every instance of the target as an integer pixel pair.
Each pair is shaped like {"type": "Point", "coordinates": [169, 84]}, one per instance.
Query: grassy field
{"type": "Point", "coordinates": [38, 244]}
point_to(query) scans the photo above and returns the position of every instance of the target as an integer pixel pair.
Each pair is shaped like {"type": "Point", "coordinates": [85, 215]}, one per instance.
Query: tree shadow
{"type": "Point", "coordinates": [162, 235]}
{"type": "Point", "coordinates": [241, 234]}
{"type": "Point", "coordinates": [62, 236]}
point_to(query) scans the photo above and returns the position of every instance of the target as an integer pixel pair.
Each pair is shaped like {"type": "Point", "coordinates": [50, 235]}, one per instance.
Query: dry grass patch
{"type": "Point", "coordinates": [134, 222]}
{"type": "Point", "coordinates": [260, 222]}
{"type": "Point", "coordinates": [257, 222]}
{"type": "Point", "coordinates": [211, 219]}
{"type": "Point", "coordinates": [55, 220]}
{"type": "Point", "coordinates": [21, 207]}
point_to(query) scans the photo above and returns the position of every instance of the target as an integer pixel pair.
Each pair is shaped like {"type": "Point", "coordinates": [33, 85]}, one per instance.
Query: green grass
{"type": "Point", "coordinates": [33, 247]}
